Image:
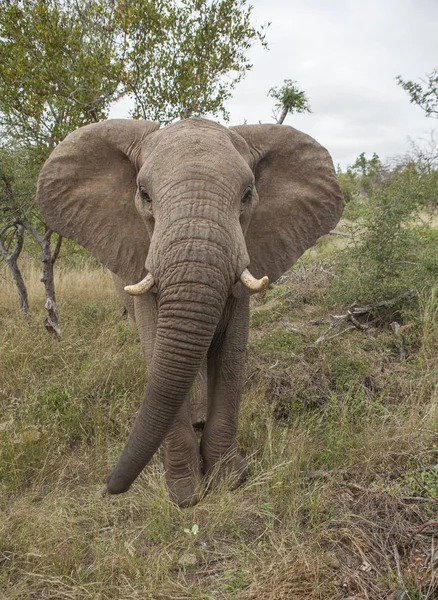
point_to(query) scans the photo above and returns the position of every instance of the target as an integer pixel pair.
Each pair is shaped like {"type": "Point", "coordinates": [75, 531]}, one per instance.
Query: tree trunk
{"type": "Point", "coordinates": [187, 112]}
{"type": "Point", "coordinates": [51, 322]}
{"type": "Point", "coordinates": [23, 300]}
{"type": "Point", "coordinates": [48, 259]}
{"type": "Point", "coordinates": [11, 259]}
{"type": "Point", "coordinates": [283, 116]}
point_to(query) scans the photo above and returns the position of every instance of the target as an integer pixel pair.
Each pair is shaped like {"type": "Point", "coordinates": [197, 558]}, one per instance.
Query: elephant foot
{"type": "Point", "coordinates": [231, 468]}
{"type": "Point", "coordinates": [184, 491]}
{"type": "Point", "coordinates": [182, 460]}
{"type": "Point", "coordinates": [182, 469]}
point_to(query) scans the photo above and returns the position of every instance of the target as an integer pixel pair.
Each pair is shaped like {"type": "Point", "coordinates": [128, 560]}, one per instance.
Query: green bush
{"type": "Point", "coordinates": [392, 250]}
{"type": "Point", "coordinates": [355, 209]}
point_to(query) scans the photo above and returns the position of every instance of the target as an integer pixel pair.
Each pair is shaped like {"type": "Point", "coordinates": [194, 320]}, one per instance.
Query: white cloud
{"type": "Point", "coordinates": [345, 55]}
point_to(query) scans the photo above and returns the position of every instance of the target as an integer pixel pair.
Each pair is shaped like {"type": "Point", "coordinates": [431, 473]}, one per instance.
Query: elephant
{"type": "Point", "coordinates": [193, 218]}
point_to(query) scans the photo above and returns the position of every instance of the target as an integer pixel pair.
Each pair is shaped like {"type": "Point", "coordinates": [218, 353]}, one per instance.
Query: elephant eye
{"type": "Point", "coordinates": [247, 195]}
{"type": "Point", "coordinates": [144, 195]}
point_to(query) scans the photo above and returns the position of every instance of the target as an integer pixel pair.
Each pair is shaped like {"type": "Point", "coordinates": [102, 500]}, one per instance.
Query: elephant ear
{"type": "Point", "coordinates": [300, 198]}
{"type": "Point", "coordinates": [86, 192]}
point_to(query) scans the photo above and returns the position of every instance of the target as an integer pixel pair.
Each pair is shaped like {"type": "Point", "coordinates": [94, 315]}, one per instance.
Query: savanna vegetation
{"type": "Point", "coordinates": [63, 64]}
{"type": "Point", "coordinates": [339, 426]}
{"type": "Point", "coordinates": [339, 418]}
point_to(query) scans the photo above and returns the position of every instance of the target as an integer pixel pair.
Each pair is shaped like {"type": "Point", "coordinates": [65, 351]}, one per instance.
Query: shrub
{"type": "Point", "coordinates": [392, 251]}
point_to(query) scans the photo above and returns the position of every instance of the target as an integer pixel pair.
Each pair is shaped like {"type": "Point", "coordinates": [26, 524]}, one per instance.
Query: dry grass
{"type": "Point", "coordinates": [337, 438]}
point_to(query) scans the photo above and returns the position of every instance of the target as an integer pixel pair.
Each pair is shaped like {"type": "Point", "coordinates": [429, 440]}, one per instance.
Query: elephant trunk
{"type": "Point", "coordinates": [189, 309]}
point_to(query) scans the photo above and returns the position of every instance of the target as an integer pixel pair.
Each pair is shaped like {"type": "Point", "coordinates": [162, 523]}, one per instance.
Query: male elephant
{"type": "Point", "coordinates": [189, 217]}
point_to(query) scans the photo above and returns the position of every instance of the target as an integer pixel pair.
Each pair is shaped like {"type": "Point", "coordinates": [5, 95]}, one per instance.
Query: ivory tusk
{"type": "Point", "coordinates": [141, 287]}
{"type": "Point", "coordinates": [253, 284]}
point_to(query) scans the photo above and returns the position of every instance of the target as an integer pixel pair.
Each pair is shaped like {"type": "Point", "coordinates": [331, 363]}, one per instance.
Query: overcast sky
{"type": "Point", "coordinates": [345, 54]}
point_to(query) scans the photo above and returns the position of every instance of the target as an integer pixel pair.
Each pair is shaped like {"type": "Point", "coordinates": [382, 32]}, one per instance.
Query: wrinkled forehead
{"type": "Point", "coordinates": [196, 144]}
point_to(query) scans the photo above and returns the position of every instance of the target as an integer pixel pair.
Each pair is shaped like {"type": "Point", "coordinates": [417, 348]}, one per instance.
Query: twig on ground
{"type": "Point", "coordinates": [353, 312]}
{"type": "Point", "coordinates": [324, 338]}
{"type": "Point", "coordinates": [356, 323]}
{"type": "Point", "coordinates": [419, 499]}
{"type": "Point", "coordinates": [397, 563]}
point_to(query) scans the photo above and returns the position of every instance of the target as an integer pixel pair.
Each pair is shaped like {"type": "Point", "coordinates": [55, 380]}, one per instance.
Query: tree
{"type": "Point", "coordinates": [362, 177]}
{"type": "Point", "coordinates": [423, 158]}
{"type": "Point", "coordinates": [290, 99]}
{"type": "Point", "coordinates": [192, 58]}
{"type": "Point", "coordinates": [18, 215]}
{"type": "Point", "coordinates": [60, 67]}
{"type": "Point", "coordinates": [392, 249]}
{"type": "Point", "coordinates": [17, 177]}
{"type": "Point", "coordinates": [348, 183]}
{"type": "Point", "coordinates": [369, 173]}
{"type": "Point", "coordinates": [423, 153]}
{"type": "Point", "coordinates": [64, 62]}
{"type": "Point", "coordinates": [10, 248]}
{"type": "Point", "coordinates": [424, 94]}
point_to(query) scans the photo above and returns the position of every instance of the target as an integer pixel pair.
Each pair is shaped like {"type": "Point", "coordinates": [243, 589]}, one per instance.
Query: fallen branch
{"type": "Point", "coordinates": [412, 499]}
{"type": "Point", "coordinates": [356, 323]}
{"type": "Point", "coordinates": [397, 563]}
{"type": "Point", "coordinates": [353, 312]}
{"type": "Point", "coordinates": [324, 338]}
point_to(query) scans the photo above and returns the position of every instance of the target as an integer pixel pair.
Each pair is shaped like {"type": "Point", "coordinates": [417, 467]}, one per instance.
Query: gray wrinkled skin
{"type": "Point", "coordinates": [194, 204]}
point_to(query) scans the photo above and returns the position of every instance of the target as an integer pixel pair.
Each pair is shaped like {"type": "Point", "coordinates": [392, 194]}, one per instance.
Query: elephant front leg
{"type": "Point", "coordinates": [182, 459]}
{"type": "Point", "coordinates": [226, 363]}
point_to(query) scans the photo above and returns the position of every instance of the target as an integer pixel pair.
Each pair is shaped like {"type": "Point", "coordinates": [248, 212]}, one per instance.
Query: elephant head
{"type": "Point", "coordinates": [191, 210]}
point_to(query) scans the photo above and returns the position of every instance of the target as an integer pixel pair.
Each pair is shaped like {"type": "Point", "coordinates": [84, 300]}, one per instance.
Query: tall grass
{"type": "Point", "coordinates": [335, 437]}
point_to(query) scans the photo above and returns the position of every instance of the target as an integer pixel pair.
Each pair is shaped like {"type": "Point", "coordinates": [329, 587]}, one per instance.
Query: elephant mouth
{"type": "Point", "coordinates": [249, 281]}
